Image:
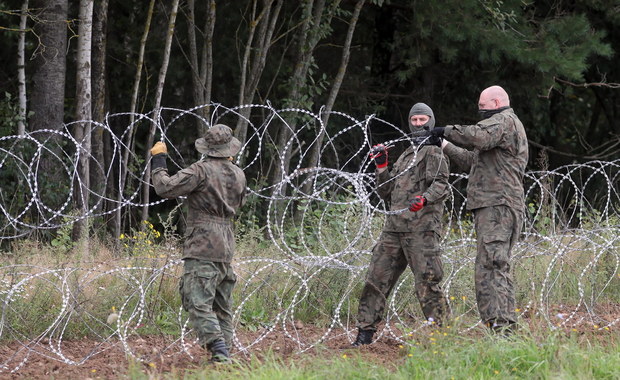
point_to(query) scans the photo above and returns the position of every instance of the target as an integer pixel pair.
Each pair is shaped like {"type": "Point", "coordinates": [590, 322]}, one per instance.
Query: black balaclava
{"type": "Point", "coordinates": [421, 109]}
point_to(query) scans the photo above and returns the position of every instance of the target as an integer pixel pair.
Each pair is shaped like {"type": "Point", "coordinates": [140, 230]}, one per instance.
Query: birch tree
{"type": "Point", "coordinates": [202, 69]}
{"type": "Point", "coordinates": [261, 26]}
{"type": "Point", "coordinates": [129, 140]}
{"type": "Point", "coordinates": [315, 151]}
{"type": "Point", "coordinates": [156, 117]}
{"type": "Point", "coordinates": [83, 111]}
{"type": "Point", "coordinates": [21, 68]}
{"type": "Point", "coordinates": [315, 17]}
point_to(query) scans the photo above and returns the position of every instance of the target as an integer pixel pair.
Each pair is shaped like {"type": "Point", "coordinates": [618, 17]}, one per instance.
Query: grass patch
{"type": "Point", "coordinates": [527, 355]}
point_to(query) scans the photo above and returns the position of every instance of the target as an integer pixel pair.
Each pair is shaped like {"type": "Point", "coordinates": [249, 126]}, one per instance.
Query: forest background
{"type": "Point", "coordinates": [64, 61]}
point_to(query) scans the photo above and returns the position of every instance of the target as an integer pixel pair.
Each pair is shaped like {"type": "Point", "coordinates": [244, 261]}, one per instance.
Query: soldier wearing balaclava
{"type": "Point", "coordinates": [421, 109]}
{"type": "Point", "coordinates": [415, 188]}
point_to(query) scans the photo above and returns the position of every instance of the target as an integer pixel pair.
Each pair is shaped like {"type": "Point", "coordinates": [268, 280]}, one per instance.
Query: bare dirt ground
{"type": "Point", "coordinates": [163, 354]}
{"type": "Point", "coordinates": [158, 357]}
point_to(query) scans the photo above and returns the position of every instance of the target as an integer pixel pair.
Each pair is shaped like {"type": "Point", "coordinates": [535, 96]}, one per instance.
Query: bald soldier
{"type": "Point", "coordinates": [215, 190]}
{"type": "Point", "coordinates": [418, 181]}
{"type": "Point", "coordinates": [495, 153]}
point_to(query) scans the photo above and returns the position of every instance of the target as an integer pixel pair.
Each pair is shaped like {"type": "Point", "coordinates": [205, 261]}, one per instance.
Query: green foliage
{"type": "Point", "coordinates": [170, 229]}
{"type": "Point", "coordinates": [530, 355]}
{"type": "Point", "coordinates": [34, 306]}
{"type": "Point", "coordinates": [330, 227]}
{"type": "Point", "coordinates": [63, 240]}
{"type": "Point", "coordinates": [544, 221]}
{"type": "Point", "coordinates": [141, 243]}
{"type": "Point", "coordinates": [248, 219]}
{"type": "Point", "coordinates": [564, 45]}
{"type": "Point", "coordinates": [254, 315]}
{"type": "Point", "coordinates": [497, 33]}
{"type": "Point", "coordinates": [9, 115]}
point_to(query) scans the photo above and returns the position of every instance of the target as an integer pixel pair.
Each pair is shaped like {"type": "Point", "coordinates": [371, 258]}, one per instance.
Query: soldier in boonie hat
{"type": "Point", "coordinates": [215, 189]}
{"type": "Point", "coordinates": [218, 142]}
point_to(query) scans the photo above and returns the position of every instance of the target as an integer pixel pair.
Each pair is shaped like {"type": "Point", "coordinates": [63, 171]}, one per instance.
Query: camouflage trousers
{"type": "Point", "coordinates": [206, 292]}
{"type": "Point", "coordinates": [393, 252]}
{"type": "Point", "coordinates": [497, 230]}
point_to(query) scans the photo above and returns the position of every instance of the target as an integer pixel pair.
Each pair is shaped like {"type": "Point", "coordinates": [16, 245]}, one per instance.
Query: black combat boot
{"type": "Point", "coordinates": [363, 337]}
{"type": "Point", "coordinates": [219, 352]}
{"type": "Point", "coordinates": [506, 329]}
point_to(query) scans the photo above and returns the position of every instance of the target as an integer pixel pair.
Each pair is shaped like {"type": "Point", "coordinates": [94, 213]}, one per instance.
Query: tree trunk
{"type": "Point", "coordinates": [198, 85]}
{"type": "Point", "coordinates": [202, 70]}
{"type": "Point", "coordinates": [158, 95]}
{"type": "Point", "coordinates": [48, 80]}
{"type": "Point", "coordinates": [207, 60]}
{"type": "Point", "coordinates": [83, 112]}
{"type": "Point", "coordinates": [47, 95]}
{"type": "Point", "coordinates": [132, 118]}
{"type": "Point", "coordinates": [21, 69]}
{"type": "Point", "coordinates": [252, 70]}
{"type": "Point", "coordinates": [315, 150]}
{"type": "Point", "coordinates": [308, 37]}
{"type": "Point", "coordinates": [344, 61]}
{"type": "Point", "coordinates": [98, 175]}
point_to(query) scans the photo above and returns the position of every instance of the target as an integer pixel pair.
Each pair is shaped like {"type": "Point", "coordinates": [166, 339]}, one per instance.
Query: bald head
{"type": "Point", "coordinates": [492, 98]}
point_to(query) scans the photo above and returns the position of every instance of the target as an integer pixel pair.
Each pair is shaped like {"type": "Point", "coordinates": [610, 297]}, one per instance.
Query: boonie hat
{"type": "Point", "coordinates": [218, 141]}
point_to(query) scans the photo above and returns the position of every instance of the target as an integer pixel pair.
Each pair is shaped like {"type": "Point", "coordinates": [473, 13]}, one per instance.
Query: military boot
{"type": "Point", "coordinates": [219, 352]}
{"type": "Point", "coordinates": [363, 337]}
{"type": "Point", "coordinates": [506, 331]}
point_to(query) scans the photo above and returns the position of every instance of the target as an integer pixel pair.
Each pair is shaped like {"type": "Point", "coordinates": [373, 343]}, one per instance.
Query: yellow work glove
{"type": "Point", "coordinates": [159, 148]}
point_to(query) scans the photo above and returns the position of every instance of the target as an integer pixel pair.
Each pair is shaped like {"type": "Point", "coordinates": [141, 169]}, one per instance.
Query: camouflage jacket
{"type": "Point", "coordinates": [496, 163]}
{"type": "Point", "coordinates": [215, 189]}
{"type": "Point", "coordinates": [426, 176]}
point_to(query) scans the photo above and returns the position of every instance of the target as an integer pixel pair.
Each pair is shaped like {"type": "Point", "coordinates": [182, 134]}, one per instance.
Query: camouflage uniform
{"type": "Point", "coordinates": [495, 194]}
{"type": "Point", "coordinates": [409, 238]}
{"type": "Point", "coordinates": [215, 189]}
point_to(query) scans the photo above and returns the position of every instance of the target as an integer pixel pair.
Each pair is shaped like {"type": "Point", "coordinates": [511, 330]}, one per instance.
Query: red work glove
{"type": "Point", "coordinates": [417, 203]}
{"type": "Point", "coordinates": [379, 153]}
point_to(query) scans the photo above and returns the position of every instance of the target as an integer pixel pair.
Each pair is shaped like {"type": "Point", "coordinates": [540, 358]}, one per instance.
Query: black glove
{"type": "Point", "coordinates": [426, 137]}
{"type": "Point", "coordinates": [433, 140]}
{"type": "Point", "coordinates": [379, 153]}
{"type": "Point", "coordinates": [159, 161]}
{"type": "Point", "coordinates": [438, 131]}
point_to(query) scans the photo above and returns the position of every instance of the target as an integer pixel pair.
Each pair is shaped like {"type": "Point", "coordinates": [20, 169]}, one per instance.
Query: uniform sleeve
{"type": "Point", "coordinates": [384, 185]}
{"type": "Point", "coordinates": [437, 173]}
{"type": "Point", "coordinates": [485, 135]}
{"type": "Point", "coordinates": [462, 158]}
{"type": "Point", "coordinates": [180, 184]}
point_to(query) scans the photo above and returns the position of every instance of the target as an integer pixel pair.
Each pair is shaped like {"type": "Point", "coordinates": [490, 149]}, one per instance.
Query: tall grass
{"type": "Point", "coordinates": [528, 355]}
{"type": "Point", "coordinates": [564, 271]}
